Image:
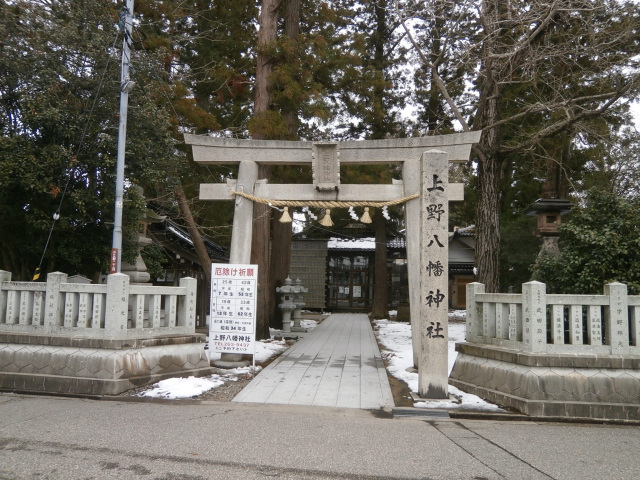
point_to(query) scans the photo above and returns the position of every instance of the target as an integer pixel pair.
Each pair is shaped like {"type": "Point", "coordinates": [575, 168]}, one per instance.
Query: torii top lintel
{"type": "Point", "coordinates": [277, 152]}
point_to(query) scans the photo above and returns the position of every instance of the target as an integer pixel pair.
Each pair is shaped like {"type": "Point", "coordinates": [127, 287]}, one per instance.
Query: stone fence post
{"type": "Point", "coordinates": [117, 307]}
{"type": "Point", "coordinates": [534, 316]}
{"type": "Point", "coordinates": [474, 312]}
{"type": "Point", "coordinates": [187, 304]}
{"type": "Point", "coordinates": [4, 277]}
{"type": "Point", "coordinates": [616, 318]}
{"type": "Point", "coordinates": [54, 304]}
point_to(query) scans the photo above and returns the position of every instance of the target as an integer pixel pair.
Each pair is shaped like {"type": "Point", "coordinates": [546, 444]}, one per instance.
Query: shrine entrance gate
{"type": "Point", "coordinates": [425, 178]}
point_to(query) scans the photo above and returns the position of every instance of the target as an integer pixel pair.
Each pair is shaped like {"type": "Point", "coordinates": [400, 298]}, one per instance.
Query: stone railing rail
{"type": "Point", "coordinates": [112, 310]}
{"type": "Point", "coordinates": [535, 321]}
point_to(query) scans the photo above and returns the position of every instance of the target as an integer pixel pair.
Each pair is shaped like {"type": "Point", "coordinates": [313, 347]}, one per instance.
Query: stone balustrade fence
{"type": "Point", "coordinates": [116, 309]}
{"type": "Point", "coordinates": [537, 322]}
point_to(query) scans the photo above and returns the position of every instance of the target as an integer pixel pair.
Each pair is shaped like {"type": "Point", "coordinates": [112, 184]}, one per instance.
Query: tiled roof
{"type": "Point", "coordinates": [397, 243]}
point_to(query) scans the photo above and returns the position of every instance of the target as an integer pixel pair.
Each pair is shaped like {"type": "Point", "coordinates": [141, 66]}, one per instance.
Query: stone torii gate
{"type": "Point", "coordinates": [425, 173]}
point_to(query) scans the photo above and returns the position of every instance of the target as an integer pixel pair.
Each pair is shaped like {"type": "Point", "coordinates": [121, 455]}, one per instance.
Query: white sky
{"type": "Point", "coordinates": [397, 351]}
{"type": "Point", "coordinates": [635, 111]}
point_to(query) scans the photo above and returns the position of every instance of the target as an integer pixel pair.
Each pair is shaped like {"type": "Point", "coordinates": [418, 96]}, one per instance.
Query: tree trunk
{"type": "Point", "coordinates": [434, 106]}
{"type": "Point", "coordinates": [380, 289]}
{"type": "Point", "coordinates": [487, 252]}
{"type": "Point", "coordinates": [280, 255]}
{"type": "Point", "coordinates": [291, 30]}
{"type": "Point", "coordinates": [260, 256]}
{"type": "Point", "coordinates": [198, 244]}
{"type": "Point", "coordinates": [262, 213]}
{"type": "Point", "coordinates": [379, 127]}
{"type": "Point", "coordinates": [266, 39]}
{"type": "Point", "coordinates": [279, 266]}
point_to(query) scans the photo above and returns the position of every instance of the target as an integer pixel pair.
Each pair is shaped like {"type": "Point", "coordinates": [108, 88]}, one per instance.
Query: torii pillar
{"type": "Point", "coordinates": [424, 161]}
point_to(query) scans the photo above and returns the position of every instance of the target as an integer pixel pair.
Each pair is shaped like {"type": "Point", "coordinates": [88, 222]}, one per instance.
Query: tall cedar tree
{"type": "Point", "coordinates": [207, 75]}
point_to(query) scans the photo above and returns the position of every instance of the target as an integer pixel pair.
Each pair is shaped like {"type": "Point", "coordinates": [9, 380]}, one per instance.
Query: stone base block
{"type": "Point", "coordinates": [232, 360]}
{"type": "Point", "coordinates": [229, 365]}
{"type": "Point", "coordinates": [554, 409]}
{"type": "Point", "coordinates": [570, 386]}
{"type": "Point", "coordinates": [86, 366]}
{"type": "Point", "coordinates": [415, 396]}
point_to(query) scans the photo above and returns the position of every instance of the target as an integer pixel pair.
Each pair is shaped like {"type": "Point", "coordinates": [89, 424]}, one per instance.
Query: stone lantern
{"type": "Point", "coordinates": [288, 304]}
{"type": "Point", "coordinates": [138, 271]}
{"type": "Point", "coordinates": [549, 210]}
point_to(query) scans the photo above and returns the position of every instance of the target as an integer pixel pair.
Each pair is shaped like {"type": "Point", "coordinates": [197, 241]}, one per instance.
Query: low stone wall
{"type": "Point", "coordinates": [553, 355]}
{"type": "Point", "coordinates": [90, 366]}
{"type": "Point", "coordinates": [113, 310]}
{"type": "Point", "coordinates": [88, 339]}
{"type": "Point", "coordinates": [574, 386]}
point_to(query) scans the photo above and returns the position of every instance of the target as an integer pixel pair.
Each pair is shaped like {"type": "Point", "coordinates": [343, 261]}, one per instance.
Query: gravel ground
{"type": "Point", "coordinates": [222, 393]}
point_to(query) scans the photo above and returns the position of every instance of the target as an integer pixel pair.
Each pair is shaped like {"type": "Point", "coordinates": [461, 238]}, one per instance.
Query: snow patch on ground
{"type": "Point", "coordinates": [398, 354]}
{"type": "Point", "coordinates": [395, 337]}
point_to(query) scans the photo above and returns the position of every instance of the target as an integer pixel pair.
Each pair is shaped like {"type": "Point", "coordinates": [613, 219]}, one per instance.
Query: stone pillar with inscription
{"type": "Point", "coordinates": [117, 305]}
{"type": "Point", "coordinates": [534, 316]}
{"type": "Point", "coordinates": [4, 296]}
{"type": "Point", "coordinates": [54, 305]}
{"type": "Point", "coordinates": [433, 371]}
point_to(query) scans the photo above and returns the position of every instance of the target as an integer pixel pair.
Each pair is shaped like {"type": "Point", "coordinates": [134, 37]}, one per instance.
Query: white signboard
{"type": "Point", "coordinates": [232, 326]}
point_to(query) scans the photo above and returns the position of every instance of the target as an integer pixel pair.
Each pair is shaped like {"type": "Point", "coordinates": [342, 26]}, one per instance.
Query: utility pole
{"type": "Point", "coordinates": [126, 85]}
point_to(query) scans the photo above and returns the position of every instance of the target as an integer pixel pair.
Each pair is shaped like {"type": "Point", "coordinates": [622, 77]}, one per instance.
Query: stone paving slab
{"type": "Point", "coordinates": [337, 364]}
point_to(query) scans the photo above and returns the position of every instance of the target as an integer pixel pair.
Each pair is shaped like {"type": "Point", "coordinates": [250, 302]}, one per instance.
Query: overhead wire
{"type": "Point", "coordinates": [56, 215]}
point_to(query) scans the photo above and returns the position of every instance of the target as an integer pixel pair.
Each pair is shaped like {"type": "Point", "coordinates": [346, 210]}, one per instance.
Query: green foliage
{"type": "Point", "coordinates": [614, 164]}
{"type": "Point", "coordinates": [444, 42]}
{"type": "Point", "coordinates": [599, 244]}
{"type": "Point", "coordinates": [208, 54]}
{"type": "Point", "coordinates": [155, 259]}
{"type": "Point", "coordinates": [270, 125]}
{"type": "Point", "coordinates": [59, 126]}
{"type": "Point", "coordinates": [371, 86]}
{"type": "Point", "coordinates": [519, 247]}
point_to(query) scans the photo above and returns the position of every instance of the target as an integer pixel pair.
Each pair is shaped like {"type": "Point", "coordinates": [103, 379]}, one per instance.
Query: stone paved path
{"type": "Point", "coordinates": [337, 364]}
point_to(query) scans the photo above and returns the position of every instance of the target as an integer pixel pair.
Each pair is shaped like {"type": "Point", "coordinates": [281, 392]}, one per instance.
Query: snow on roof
{"type": "Point", "coordinates": [367, 243]}
{"type": "Point", "coordinates": [180, 234]}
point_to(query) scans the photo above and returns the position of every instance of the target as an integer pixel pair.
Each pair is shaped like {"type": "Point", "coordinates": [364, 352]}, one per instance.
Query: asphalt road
{"type": "Point", "coordinates": [69, 438]}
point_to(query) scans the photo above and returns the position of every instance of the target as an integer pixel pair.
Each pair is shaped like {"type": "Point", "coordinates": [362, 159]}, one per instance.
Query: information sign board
{"type": "Point", "coordinates": [233, 308]}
